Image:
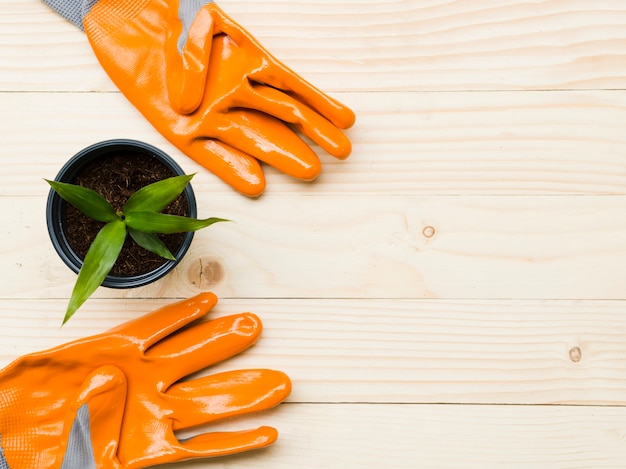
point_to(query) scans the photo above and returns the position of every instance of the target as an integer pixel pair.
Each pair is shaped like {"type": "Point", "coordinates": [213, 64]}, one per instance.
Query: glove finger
{"type": "Point", "coordinates": [224, 443]}
{"type": "Point", "coordinates": [152, 327]}
{"type": "Point", "coordinates": [269, 140]}
{"type": "Point", "coordinates": [215, 444]}
{"type": "Point", "coordinates": [207, 399]}
{"type": "Point", "coordinates": [204, 344]}
{"type": "Point", "coordinates": [280, 76]}
{"type": "Point", "coordinates": [237, 169]}
{"type": "Point", "coordinates": [319, 129]}
{"type": "Point", "coordinates": [187, 53]}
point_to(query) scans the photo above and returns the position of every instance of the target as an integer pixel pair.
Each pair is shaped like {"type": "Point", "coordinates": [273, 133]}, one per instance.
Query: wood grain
{"type": "Point", "coordinates": [399, 437]}
{"type": "Point", "coordinates": [487, 143]}
{"type": "Point", "coordinates": [348, 45]}
{"type": "Point", "coordinates": [401, 351]}
{"type": "Point", "coordinates": [365, 247]}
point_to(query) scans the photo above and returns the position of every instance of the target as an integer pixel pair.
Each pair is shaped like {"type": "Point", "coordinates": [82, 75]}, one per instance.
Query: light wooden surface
{"type": "Point", "coordinates": [451, 296]}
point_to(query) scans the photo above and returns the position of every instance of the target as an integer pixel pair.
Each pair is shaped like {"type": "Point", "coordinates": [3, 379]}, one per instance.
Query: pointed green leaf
{"type": "Point", "coordinates": [86, 200]}
{"type": "Point", "coordinates": [156, 196]}
{"type": "Point", "coordinates": [152, 243]}
{"type": "Point", "coordinates": [98, 262]}
{"type": "Point", "coordinates": [150, 222]}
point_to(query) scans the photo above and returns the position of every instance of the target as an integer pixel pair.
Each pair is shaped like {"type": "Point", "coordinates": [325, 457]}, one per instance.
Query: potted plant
{"type": "Point", "coordinates": [121, 214]}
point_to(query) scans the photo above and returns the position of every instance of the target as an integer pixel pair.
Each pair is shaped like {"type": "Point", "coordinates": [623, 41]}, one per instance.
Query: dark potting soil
{"type": "Point", "coordinates": [116, 177]}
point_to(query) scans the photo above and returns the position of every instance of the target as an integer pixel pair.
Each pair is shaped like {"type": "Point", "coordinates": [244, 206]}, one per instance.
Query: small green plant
{"type": "Point", "coordinates": [141, 218]}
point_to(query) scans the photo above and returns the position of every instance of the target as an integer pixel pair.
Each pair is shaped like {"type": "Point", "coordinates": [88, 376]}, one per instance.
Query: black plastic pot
{"type": "Point", "coordinates": [56, 208]}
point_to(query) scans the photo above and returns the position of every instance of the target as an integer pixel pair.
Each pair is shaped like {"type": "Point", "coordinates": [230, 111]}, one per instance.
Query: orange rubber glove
{"type": "Point", "coordinates": [114, 400]}
{"type": "Point", "coordinates": [211, 89]}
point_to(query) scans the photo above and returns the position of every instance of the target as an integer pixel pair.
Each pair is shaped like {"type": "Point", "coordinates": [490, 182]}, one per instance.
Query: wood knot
{"type": "Point", "coordinates": [206, 273]}
{"type": "Point", "coordinates": [428, 231]}
{"type": "Point", "coordinates": [575, 354]}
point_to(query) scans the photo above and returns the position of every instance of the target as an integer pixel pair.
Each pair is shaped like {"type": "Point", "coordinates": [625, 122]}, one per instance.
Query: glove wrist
{"type": "Point", "coordinates": [106, 16]}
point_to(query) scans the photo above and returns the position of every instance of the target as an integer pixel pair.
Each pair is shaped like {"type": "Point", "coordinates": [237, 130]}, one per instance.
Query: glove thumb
{"type": "Point", "coordinates": [96, 421]}
{"type": "Point", "coordinates": [187, 51]}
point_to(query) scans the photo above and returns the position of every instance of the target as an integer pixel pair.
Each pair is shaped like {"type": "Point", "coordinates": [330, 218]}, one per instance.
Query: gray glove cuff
{"type": "Point", "coordinates": [3, 462]}
{"type": "Point", "coordinates": [72, 10]}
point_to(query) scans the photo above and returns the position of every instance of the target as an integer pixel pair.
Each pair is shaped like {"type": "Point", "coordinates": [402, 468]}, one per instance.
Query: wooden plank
{"type": "Point", "coordinates": [486, 143]}
{"type": "Point", "coordinates": [400, 351]}
{"type": "Point", "coordinates": [346, 45]}
{"type": "Point", "coordinates": [401, 437]}
{"type": "Point", "coordinates": [364, 247]}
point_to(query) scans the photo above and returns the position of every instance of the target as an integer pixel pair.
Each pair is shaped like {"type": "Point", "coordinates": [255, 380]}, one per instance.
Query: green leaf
{"type": "Point", "coordinates": [152, 243]}
{"type": "Point", "coordinates": [156, 196]}
{"type": "Point", "coordinates": [86, 200]}
{"type": "Point", "coordinates": [98, 262]}
{"type": "Point", "coordinates": [150, 222]}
